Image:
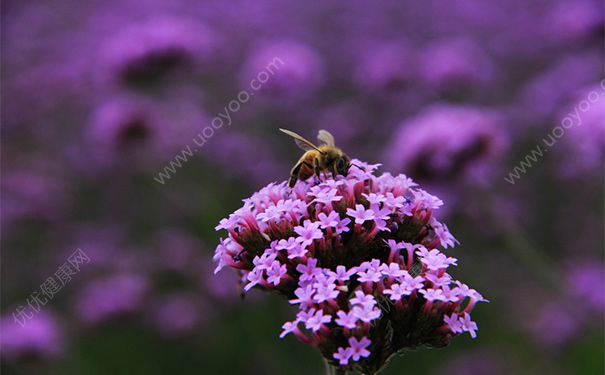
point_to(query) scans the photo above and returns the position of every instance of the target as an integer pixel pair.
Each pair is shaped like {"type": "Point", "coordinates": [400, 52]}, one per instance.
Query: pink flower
{"type": "Point", "coordinates": [445, 237]}
{"type": "Point", "coordinates": [392, 270]}
{"type": "Point", "coordinates": [371, 276]}
{"type": "Point", "coordinates": [367, 313]}
{"type": "Point", "coordinates": [342, 274]}
{"type": "Point", "coordinates": [308, 270]}
{"type": "Point", "coordinates": [453, 323]}
{"type": "Point", "coordinates": [343, 355]}
{"type": "Point", "coordinates": [433, 295]}
{"type": "Point", "coordinates": [315, 322]}
{"type": "Point", "coordinates": [358, 348]}
{"type": "Point", "coordinates": [308, 232]}
{"type": "Point", "coordinates": [288, 328]}
{"type": "Point", "coordinates": [271, 213]}
{"type": "Point", "coordinates": [304, 296]}
{"type": "Point", "coordinates": [325, 291]}
{"type": "Point", "coordinates": [397, 291]}
{"type": "Point", "coordinates": [286, 244]}
{"type": "Point", "coordinates": [360, 214]}
{"type": "Point", "coordinates": [413, 283]}
{"type": "Point", "coordinates": [276, 272]}
{"type": "Point", "coordinates": [328, 221]}
{"type": "Point", "coordinates": [468, 325]}
{"type": "Point", "coordinates": [342, 226]}
{"type": "Point", "coordinates": [297, 251]}
{"type": "Point", "coordinates": [374, 199]}
{"type": "Point", "coordinates": [442, 281]}
{"type": "Point", "coordinates": [327, 197]}
{"type": "Point", "coordinates": [363, 299]}
{"type": "Point", "coordinates": [437, 261]}
{"type": "Point", "coordinates": [347, 320]}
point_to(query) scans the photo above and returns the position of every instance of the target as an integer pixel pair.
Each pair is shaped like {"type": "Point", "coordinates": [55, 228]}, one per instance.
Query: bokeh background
{"type": "Point", "coordinates": [99, 97]}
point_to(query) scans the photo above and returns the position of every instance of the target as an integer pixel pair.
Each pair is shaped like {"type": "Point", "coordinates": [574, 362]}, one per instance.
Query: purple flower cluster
{"type": "Point", "coordinates": [446, 142]}
{"type": "Point", "coordinates": [358, 256]}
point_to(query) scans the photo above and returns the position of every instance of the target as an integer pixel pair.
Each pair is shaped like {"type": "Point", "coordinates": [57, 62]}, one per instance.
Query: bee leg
{"type": "Point", "coordinates": [317, 169]}
{"type": "Point", "coordinates": [294, 175]}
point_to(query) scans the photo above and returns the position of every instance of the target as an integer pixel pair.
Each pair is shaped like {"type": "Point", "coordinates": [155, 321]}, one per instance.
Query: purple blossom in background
{"type": "Point", "coordinates": [40, 338]}
{"type": "Point", "coordinates": [574, 21]}
{"type": "Point", "coordinates": [336, 284]}
{"type": "Point", "coordinates": [32, 193]}
{"type": "Point", "coordinates": [292, 70]}
{"type": "Point", "coordinates": [544, 93]}
{"type": "Point", "coordinates": [112, 297]}
{"type": "Point", "coordinates": [386, 67]}
{"type": "Point", "coordinates": [178, 315]}
{"type": "Point", "coordinates": [145, 50]}
{"type": "Point", "coordinates": [132, 130]}
{"type": "Point", "coordinates": [553, 325]}
{"type": "Point", "coordinates": [583, 148]}
{"type": "Point", "coordinates": [454, 65]}
{"type": "Point", "coordinates": [586, 281]}
{"type": "Point", "coordinates": [446, 142]}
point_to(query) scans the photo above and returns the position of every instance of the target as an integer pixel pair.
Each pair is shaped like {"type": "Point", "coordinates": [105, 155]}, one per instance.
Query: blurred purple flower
{"type": "Point", "coordinates": [544, 93]}
{"type": "Point", "coordinates": [292, 70]}
{"type": "Point", "coordinates": [586, 282]}
{"type": "Point", "coordinates": [455, 65]}
{"type": "Point", "coordinates": [553, 326]}
{"type": "Point", "coordinates": [32, 192]}
{"type": "Point", "coordinates": [138, 132]}
{"type": "Point", "coordinates": [574, 21]}
{"type": "Point", "coordinates": [145, 51]}
{"type": "Point", "coordinates": [122, 129]}
{"type": "Point", "coordinates": [584, 141]}
{"type": "Point", "coordinates": [177, 315]}
{"type": "Point", "coordinates": [445, 143]}
{"type": "Point", "coordinates": [111, 297]}
{"type": "Point", "coordinates": [39, 338]}
{"type": "Point", "coordinates": [385, 67]}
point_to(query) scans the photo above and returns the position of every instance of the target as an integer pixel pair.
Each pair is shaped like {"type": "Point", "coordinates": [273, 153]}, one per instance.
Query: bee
{"type": "Point", "coordinates": [323, 158]}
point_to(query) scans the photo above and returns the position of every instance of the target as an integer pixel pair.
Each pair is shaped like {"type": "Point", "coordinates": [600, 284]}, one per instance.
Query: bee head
{"type": "Point", "coordinates": [343, 163]}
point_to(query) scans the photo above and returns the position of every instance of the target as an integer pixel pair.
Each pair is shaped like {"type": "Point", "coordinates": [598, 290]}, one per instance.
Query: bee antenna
{"type": "Point", "coordinates": [358, 166]}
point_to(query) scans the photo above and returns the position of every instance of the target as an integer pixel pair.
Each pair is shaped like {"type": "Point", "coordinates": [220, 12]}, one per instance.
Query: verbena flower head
{"type": "Point", "coordinates": [294, 70]}
{"type": "Point", "coordinates": [446, 143]}
{"type": "Point", "coordinates": [358, 257]}
{"type": "Point", "coordinates": [39, 338]}
{"type": "Point", "coordinates": [455, 65]}
{"type": "Point", "coordinates": [148, 50]}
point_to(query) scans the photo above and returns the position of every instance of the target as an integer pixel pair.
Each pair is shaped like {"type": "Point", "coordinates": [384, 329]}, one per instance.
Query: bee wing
{"type": "Point", "coordinates": [326, 138]}
{"type": "Point", "coordinates": [300, 141]}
